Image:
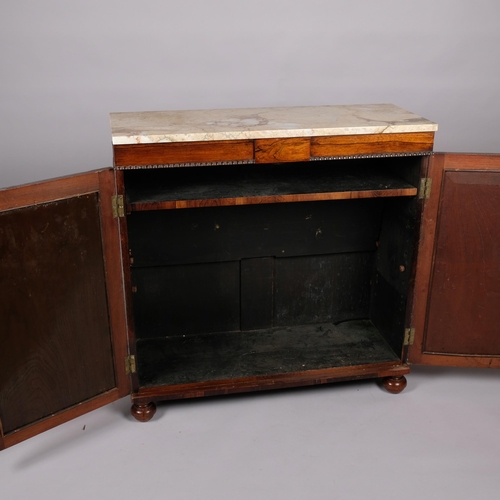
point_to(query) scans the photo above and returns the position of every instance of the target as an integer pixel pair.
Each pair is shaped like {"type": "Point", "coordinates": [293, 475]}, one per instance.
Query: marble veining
{"type": "Point", "coordinates": [261, 123]}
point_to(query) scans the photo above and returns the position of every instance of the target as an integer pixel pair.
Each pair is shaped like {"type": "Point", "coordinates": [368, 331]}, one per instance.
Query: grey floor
{"type": "Point", "coordinates": [439, 439]}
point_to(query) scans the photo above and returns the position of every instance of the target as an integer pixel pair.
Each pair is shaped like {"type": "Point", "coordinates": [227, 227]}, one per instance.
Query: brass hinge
{"type": "Point", "coordinates": [118, 206]}
{"type": "Point", "coordinates": [425, 188]}
{"type": "Point", "coordinates": [409, 336]}
{"type": "Point", "coordinates": [130, 364]}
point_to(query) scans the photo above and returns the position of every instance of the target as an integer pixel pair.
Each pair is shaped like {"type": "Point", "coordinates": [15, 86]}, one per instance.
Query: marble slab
{"type": "Point", "coordinates": [262, 123]}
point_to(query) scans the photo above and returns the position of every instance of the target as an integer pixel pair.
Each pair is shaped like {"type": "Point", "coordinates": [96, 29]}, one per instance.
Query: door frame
{"type": "Point", "coordinates": [439, 164]}
{"type": "Point", "coordinates": [103, 183]}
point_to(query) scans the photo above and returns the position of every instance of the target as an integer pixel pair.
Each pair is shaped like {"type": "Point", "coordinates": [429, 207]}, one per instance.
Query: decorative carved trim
{"type": "Point", "coordinates": [374, 155]}
{"type": "Point", "coordinates": [188, 164]}
{"type": "Point", "coordinates": [251, 162]}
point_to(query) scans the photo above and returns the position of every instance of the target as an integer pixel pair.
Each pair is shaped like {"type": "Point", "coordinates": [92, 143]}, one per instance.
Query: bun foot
{"type": "Point", "coordinates": [144, 412]}
{"type": "Point", "coordinates": [394, 384]}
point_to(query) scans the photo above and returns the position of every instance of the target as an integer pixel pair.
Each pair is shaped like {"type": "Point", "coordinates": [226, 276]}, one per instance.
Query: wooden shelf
{"type": "Point", "coordinates": [251, 184]}
{"type": "Point", "coordinates": [234, 355]}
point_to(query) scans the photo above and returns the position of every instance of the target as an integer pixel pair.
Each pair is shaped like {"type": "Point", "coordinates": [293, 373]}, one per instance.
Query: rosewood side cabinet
{"type": "Point", "coordinates": [243, 250]}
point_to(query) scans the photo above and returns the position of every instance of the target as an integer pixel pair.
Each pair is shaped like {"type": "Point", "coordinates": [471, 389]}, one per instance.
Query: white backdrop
{"type": "Point", "coordinates": [65, 65]}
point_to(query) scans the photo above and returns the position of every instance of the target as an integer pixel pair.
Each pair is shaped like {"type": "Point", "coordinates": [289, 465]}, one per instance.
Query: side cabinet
{"type": "Point", "coordinates": [268, 248]}
{"type": "Point", "coordinates": [456, 312]}
{"type": "Point", "coordinates": [61, 304]}
{"type": "Point", "coordinates": [233, 263]}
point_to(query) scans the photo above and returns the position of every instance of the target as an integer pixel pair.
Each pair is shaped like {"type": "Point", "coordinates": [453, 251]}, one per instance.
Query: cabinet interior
{"type": "Point", "coordinates": [248, 270]}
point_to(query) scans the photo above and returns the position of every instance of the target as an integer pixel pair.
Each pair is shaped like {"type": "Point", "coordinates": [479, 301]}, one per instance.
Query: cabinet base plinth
{"type": "Point", "coordinates": [143, 412]}
{"type": "Point", "coordinates": [394, 384]}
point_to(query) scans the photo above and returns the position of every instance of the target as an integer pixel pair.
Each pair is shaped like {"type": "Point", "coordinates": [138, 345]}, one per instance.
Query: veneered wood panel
{"type": "Point", "coordinates": [425, 256]}
{"type": "Point", "coordinates": [464, 302]}
{"type": "Point", "coordinates": [113, 266]}
{"type": "Point", "coordinates": [261, 200]}
{"type": "Point", "coordinates": [182, 152]}
{"type": "Point", "coordinates": [269, 382]}
{"type": "Point", "coordinates": [59, 340]}
{"type": "Point", "coordinates": [45, 191]}
{"type": "Point", "coordinates": [53, 309]}
{"type": "Point", "coordinates": [457, 290]}
{"type": "Point", "coordinates": [127, 261]}
{"type": "Point", "coordinates": [282, 150]}
{"type": "Point", "coordinates": [59, 418]}
{"type": "Point", "coordinates": [349, 145]}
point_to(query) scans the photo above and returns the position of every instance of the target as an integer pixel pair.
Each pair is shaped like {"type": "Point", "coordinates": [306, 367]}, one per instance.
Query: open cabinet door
{"type": "Point", "coordinates": [62, 317]}
{"type": "Point", "coordinates": [456, 314]}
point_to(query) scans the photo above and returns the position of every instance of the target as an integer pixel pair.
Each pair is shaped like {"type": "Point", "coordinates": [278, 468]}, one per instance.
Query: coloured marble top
{"type": "Point", "coordinates": [261, 123]}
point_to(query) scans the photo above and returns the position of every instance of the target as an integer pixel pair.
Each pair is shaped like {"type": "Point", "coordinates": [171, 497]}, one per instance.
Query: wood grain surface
{"type": "Point", "coordinates": [275, 150]}
{"type": "Point", "coordinates": [464, 303]}
{"type": "Point", "coordinates": [45, 191]}
{"type": "Point", "coordinates": [282, 150]}
{"type": "Point", "coordinates": [62, 349]}
{"type": "Point", "coordinates": [261, 200]}
{"type": "Point", "coordinates": [113, 265]}
{"type": "Point", "coordinates": [455, 312]}
{"type": "Point", "coordinates": [127, 261]}
{"type": "Point", "coordinates": [270, 382]}
{"type": "Point", "coordinates": [182, 152]}
{"type": "Point", "coordinates": [349, 145]}
{"type": "Point", "coordinates": [59, 418]}
{"type": "Point", "coordinates": [56, 340]}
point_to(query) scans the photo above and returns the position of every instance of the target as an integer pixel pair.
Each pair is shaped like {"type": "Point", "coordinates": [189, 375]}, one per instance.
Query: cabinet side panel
{"type": "Point", "coordinates": [463, 311]}
{"type": "Point", "coordinates": [56, 345]}
{"type": "Point", "coordinates": [394, 267]}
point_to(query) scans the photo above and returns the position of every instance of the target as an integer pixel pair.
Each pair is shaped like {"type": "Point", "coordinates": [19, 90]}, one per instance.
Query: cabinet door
{"type": "Point", "coordinates": [62, 319]}
{"type": "Point", "coordinates": [456, 312]}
